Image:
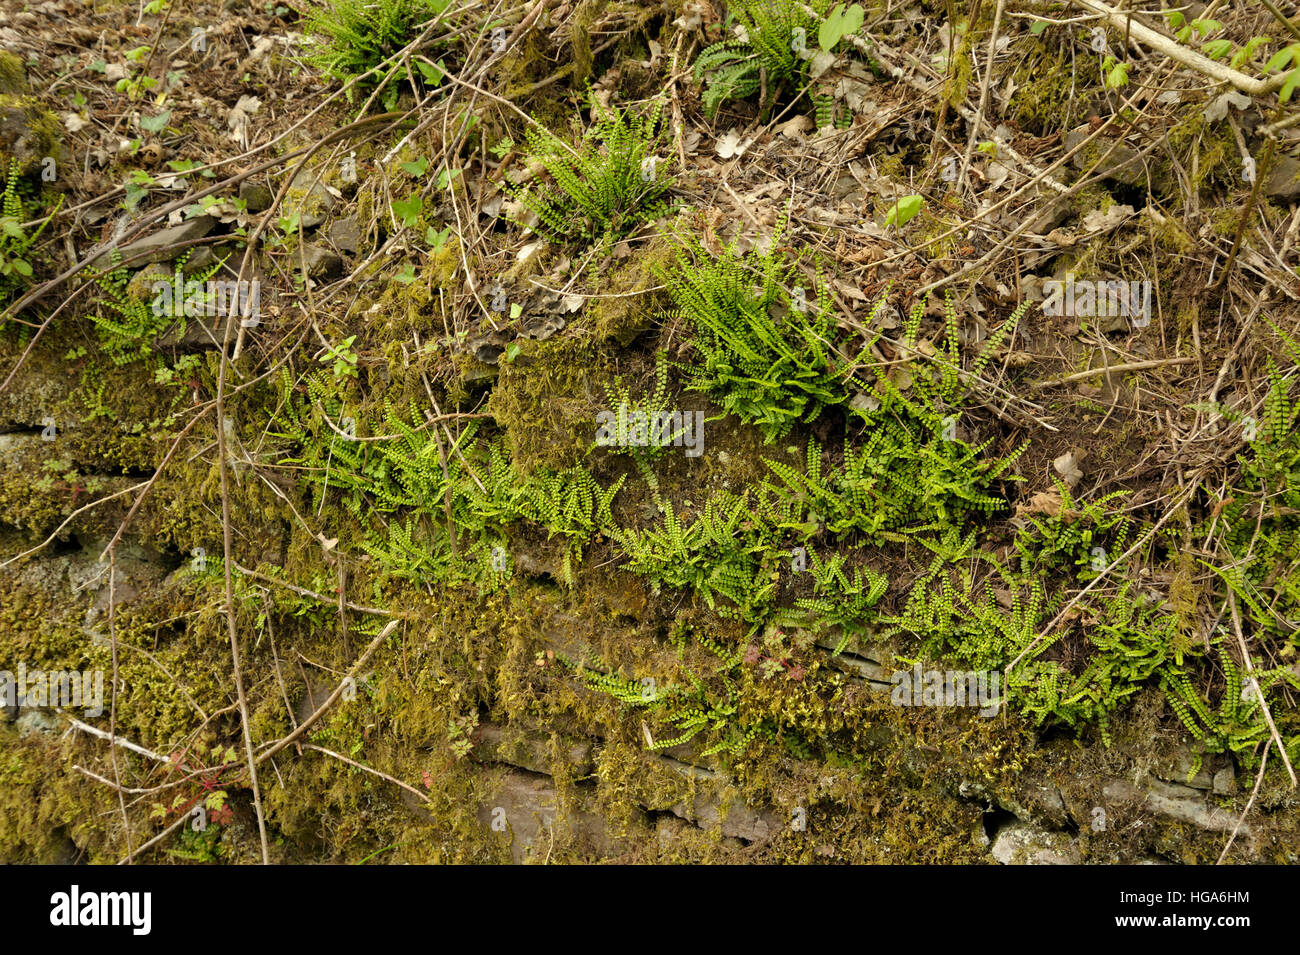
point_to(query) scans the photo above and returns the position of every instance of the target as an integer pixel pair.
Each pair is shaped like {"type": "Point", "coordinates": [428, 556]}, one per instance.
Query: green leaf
{"type": "Point", "coordinates": [1217, 49]}
{"type": "Point", "coordinates": [1037, 27]}
{"type": "Point", "coordinates": [155, 124]}
{"type": "Point", "coordinates": [407, 275]}
{"type": "Point", "coordinates": [512, 351]}
{"type": "Point", "coordinates": [839, 23]}
{"type": "Point", "coordinates": [408, 210]}
{"type": "Point", "coordinates": [1289, 85]}
{"type": "Point", "coordinates": [904, 210]}
{"type": "Point", "coordinates": [416, 168]}
{"type": "Point", "coordinates": [1282, 57]}
{"type": "Point", "coordinates": [432, 74]}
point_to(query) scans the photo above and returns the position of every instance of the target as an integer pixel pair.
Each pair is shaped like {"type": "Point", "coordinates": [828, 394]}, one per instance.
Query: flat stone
{"type": "Point", "coordinates": [346, 235]}
{"type": "Point", "coordinates": [320, 261]}
{"type": "Point", "coordinates": [1124, 163]}
{"type": "Point", "coordinates": [309, 199]}
{"type": "Point", "coordinates": [1225, 782]}
{"type": "Point", "coordinates": [1283, 181]}
{"type": "Point", "coordinates": [257, 197]}
{"type": "Point", "coordinates": [161, 246]}
{"type": "Point", "coordinates": [28, 133]}
{"type": "Point", "coordinates": [1023, 844]}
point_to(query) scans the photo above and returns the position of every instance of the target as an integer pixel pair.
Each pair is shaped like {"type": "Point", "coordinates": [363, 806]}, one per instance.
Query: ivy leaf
{"type": "Point", "coordinates": [416, 168]}
{"type": "Point", "coordinates": [155, 124]}
{"type": "Point", "coordinates": [408, 209]}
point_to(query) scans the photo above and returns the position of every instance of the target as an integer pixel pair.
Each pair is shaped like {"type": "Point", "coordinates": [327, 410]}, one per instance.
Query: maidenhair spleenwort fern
{"type": "Point", "coordinates": [774, 47]}
{"type": "Point", "coordinates": [15, 243]}
{"type": "Point", "coordinates": [683, 711]}
{"type": "Point", "coordinates": [1237, 724]}
{"type": "Point", "coordinates": [453, 501]}
{"type": "Point", "coordinates": [723, 552]}
{"type": "Point", "coordinates": [130, 328]}
{"type": "Point", "coordinates": [357, 36]}
{"type": "Point", "coordinates": [1085, 536]}
{"type": "Point", "coordinates": [764, 338]}
{"type": "Point", "coordinates": [838, 602]}
{"type": "Point", "coordinates": [607, 184]}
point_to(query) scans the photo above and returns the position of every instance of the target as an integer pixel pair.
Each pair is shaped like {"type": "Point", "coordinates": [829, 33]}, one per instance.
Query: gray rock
{"type": "Point", "coordinates": [524, 809]}
{"type": "Point", "coordinates": [1023, 844]}
{"type": "Point", "coordinates": [320, 261]}
{"type": "Point", "coordinates": [1225, 782]}
{"type": "Point", "coordinates": [1181, 803]}
{"type": "Point", "coordinates": [257, 197]}
{"type": "Point", "coordinates": [1283, 181]}
{"type": "Point", "coordinates": [28, 133]}
{"type": "Point", "coordinates": [309, 199]}
{"type": "Point", "coordinates": [161, 246]}
{"type": "Point", "coordinates": [346, 235]}
{"type": "Point", "coordinates": [37, 721]}
{"type": "Point", "coordinates": [1124, 164]}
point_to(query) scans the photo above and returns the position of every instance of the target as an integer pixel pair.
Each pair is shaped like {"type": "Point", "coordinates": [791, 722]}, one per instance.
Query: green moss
{"type": "Point", "coordinates": [13, 74]}
{"type": "Point", "coordinates": [31, 130]}
{"type": "Point", "coordinates": [546, 400]}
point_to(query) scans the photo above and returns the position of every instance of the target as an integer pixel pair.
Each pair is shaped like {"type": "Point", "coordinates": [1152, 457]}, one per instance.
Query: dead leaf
{"type": "Point", "coordinates": [794, 128]}
{"type": "Point", "coordinates": [1099, 221]}
{"type": "Point", "coordinates": [1067, 465]}
{"type": "Point", "coordinates": [1044, 502]}
{"type": "Point", "coordinates": [730, 145]}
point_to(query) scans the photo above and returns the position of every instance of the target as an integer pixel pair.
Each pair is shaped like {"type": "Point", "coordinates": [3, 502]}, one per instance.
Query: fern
{"type": "Point", "coordinates": [15, 243]}
{"type": "Point", "coordinates": [358, 36]}
{"type": "Point", "coordinates": [607, 185]}
{"type": "Point", "coordinates": [725, 552]}
{"type": "Point", "coordinates": [1237, 724]}
{"type": "Point", "coordinates": [838, 602]}
{"type": "Point", "coordinates": [134, 332]}
{"type": "Point", "coordinates": [1084, 536]}
{"type": "Point", "coordinates": [772, 30]}
{"type": "Point", "coordinates": [766, 352]}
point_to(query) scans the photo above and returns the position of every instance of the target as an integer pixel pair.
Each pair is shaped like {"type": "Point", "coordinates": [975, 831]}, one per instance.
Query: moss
{"type": "Point", "coordinates": [1047, 94]}
{"type": "Point", "coordinates": [627, 306]}
{"type": "Point", "coordinates": [1206, 151]}
{"type": "Point", "coordinates": [30, 130]}
{"type": "Point", "coordinates": [546, 400]}
{"type": "Point", "coordinates": [13, 74]}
